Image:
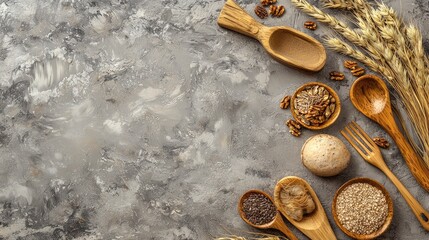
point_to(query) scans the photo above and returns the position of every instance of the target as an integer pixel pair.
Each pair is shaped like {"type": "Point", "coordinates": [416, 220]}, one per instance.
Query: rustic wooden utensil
{"type": "Point", "coordinates": [286, 45]}
{"type": "Point", "coordinates": [389, 217]}
{"type": "Point", "coordinates": [330, 120]}
{"type": "Point", "coordinates": [371, 153]}
{"type": "Point", "coordinates": [315, 225]}
{"type": "Point", "coordinates": [277, 223]}
{"type": "Point", "coordinates": [369, 94]}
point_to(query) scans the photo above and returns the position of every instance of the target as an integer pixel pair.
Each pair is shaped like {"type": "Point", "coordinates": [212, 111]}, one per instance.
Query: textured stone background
{"type": "Point", "coordinates": [128, 119]}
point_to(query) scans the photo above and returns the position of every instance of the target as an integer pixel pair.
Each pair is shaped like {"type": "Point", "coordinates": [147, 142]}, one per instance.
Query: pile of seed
{"type": "Point", "coordinates": [361, 208]}
{"type": "Point", "coordinates": [259, 209]}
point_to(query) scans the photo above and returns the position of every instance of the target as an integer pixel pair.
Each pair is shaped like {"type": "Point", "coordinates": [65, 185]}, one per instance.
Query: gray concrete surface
{"type": "Point", "coordinates": [129, 119]}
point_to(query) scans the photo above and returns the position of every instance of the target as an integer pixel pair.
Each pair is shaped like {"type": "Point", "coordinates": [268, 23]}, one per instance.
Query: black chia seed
{"type": "Point", "coordinates": [258, 209]}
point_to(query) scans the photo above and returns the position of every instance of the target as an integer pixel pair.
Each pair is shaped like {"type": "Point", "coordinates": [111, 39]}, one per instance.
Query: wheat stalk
{"type": "Point", "coordinates": [388, 47]}
{"type": "Point", "coordinates": [344, 48]}
{"type": "Point", "coordinates": [415, 39]}
{"type": "Point", "coordinates": [339, 4]}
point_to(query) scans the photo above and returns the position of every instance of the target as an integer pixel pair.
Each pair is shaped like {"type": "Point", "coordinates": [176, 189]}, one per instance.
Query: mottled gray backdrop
{"type": "Point", "coordinates": [126, 119]}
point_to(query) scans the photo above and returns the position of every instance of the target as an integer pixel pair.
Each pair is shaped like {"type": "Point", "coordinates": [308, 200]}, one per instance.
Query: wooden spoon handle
{"type": "Point", "coordinates": [281, 226]}
{"type": "Point", "coordinates": [415, 163]}
{"type": "Point", "coordinates": [235, 18]}
{"type": "Point", "coordinates": [421, 214]}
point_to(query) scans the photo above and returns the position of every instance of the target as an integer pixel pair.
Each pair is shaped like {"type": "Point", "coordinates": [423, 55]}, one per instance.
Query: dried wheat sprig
{"type": "Point", "coordinates": [344, 48]}
{"type": "Point", "coordinates": [415, 39]}
{"type": "Point", "coordinates": [373, 46]}
{"type": "Point", "coordinates": [333, 22]}
{"type": "Point", "coordinates": [337, 25]}
{"type": "Point", "coordinates": [398, 35]}
{"type": "Point", "coordinates": [427, 74]}
{"type": "Point", "coordinates": [391, 30]}
{"type": "Point", "coordinates": [343, 29]}
{"type": "Point", "coordinates": [354, 5]}
{"type": "Point", "coordinates": [339, 4]}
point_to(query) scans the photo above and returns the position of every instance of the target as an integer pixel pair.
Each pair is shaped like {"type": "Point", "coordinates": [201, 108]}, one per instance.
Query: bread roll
{"type": "Point", "coordinates": [325, 155]}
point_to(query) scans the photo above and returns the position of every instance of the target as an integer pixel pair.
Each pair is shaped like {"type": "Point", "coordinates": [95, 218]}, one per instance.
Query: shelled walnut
{"type": "Point", "coordinates": [358, 71]}
{"type": "Point", "coordinates": [294, 127]}
{"type": "Point", "coordinates": [268, 2]}
{"type": "Point", "coordinates": [310, 25]}
{"type": "Point", "coordinates": [277, 11]}
{"type": "Point", "coordinates": [261, 12]}
{"type": "Point", "coordinates": [336, 76]}
{"type": "Point", "coordinates": [350, 64]}
{"type": "Point", "coordinates": [284, 103]}
{"type": "Point", "coordinates": [381, 142]}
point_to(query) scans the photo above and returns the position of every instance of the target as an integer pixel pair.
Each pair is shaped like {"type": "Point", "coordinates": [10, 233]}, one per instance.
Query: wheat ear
{"type": "Point", "coordinates": [415, 38]}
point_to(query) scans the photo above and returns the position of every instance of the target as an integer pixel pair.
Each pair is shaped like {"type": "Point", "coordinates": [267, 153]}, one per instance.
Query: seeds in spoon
{"type": "Point", "coordinates": [258, 209]}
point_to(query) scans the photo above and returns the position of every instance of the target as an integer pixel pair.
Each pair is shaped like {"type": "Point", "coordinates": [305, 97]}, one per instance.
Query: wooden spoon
{"type": "Point", "coordinates": [315, 225]}
{"type": "Point", "coordinates": [286, 45]}
{"type": "Point", "coordinates": [277, 223]}
{"type": "Point", "coordinates": [369, 94]}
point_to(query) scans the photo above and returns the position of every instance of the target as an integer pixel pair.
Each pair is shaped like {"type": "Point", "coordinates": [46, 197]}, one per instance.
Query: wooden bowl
{"type": "Point", "coordinates": [330, 120]}
{"type": "Point", "coordinates": [389, 217]}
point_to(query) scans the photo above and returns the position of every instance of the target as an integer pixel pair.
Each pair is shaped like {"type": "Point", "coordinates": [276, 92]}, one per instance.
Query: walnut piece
{"type": "Point", "coordinates": [268, 2]}
{"type": "Point", "coordinates": [381, 142]}
{"type": "Point", "coordinates": [294, 127]}
{"type": "Point", "coordinates": [284, 103]}
{"type": "Point", "coordinates": [358, 71]}
{"type": "Point", "coordinates": [310, 25]}
{"type": "Point", "coordinates": [277, 11]}
{"type": "Point", "coordinates": [350, 64]}
{"type": "Point", "coordinates": [261, 12]}
{"type": "Point", "coordinates": [336, 76]}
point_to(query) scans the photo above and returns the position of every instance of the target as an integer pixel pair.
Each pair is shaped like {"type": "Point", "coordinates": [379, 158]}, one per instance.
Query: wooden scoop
{"type": "Point", "coordinates": [277, 223]}
{"type": "Point", "coordinates": [315, 225]}
{"type": "Point", "coordinates": [369, 94]}
{"type": "Point", "coordinates": [286, 45]}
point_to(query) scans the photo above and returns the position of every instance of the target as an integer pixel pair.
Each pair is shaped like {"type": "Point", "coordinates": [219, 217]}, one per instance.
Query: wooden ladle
{"type": "Point", "coordinates": [369, 94]}
{"type": "Point", "coordinates": [286, 45]}
{"type": "Point", "coordinates": [277, 223]}
{"type": "Point", "coordinates": [315, 225]}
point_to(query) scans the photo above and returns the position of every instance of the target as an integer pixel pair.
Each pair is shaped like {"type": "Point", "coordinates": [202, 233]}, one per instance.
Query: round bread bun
{"type": "Point", "coordinates": [325, 155]}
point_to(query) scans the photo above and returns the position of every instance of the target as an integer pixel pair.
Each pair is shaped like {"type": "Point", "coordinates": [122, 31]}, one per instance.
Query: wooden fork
{"type": "Point", "coordinates": [371, 153]}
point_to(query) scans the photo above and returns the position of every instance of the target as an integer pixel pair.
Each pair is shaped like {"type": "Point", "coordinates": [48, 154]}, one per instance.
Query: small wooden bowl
{"type": "Point", "coordinates": [330, 120]}
{"type": "Point", "coordinates": [389, 217]}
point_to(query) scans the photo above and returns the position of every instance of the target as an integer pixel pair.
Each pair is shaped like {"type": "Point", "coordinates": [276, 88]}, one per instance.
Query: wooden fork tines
{"type": "Point", "coordinates": [371, 153]}
{"type": "Point", "coordinates": [363, 144]}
